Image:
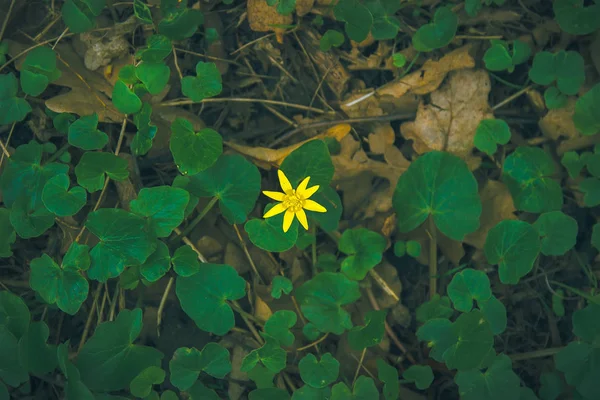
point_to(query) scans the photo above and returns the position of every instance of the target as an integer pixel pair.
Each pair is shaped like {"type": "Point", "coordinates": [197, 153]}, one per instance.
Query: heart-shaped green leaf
{"type": "Point", "coordinates": [358, 20]}
{"type": "Point", "coordinates": [158, 47]}
{"type": "Point", "coordinates": [278, 327]}
{"type": "Point", "coordinates": [566, 67]}
{"type": "Point", "coordinates": [558, 232]}
{"type": "Point", "coordinates": [124, 99]}
{"type": "Point", "coordinates": [466, 286]}
{"type": "Point", "coordinates": [490, 133]}
{"type": "Point", "coordinates": [364, 388]}
{"type": "Point", "coordinates": [271, 355]}
{"type": "Point", "coordinates": [474, 341]}
{"type": "Point", "coordinates": [587, 112]}
{"type": "Point", "coordinates": [385, 23]}
{"type": "Point", "coordinates": [389, 376]}
{"type": "Point", "coordinates": [80, 15]}
{"type": "Point", "coordinates": [438, 33]}
{"type": "Point", "coordinates": [181, 24]}
{"type": "Point", "coordinates": [495, 313]}
{"type": "Point", "coordinates": [35, 354]}
{"type": "Point", "coordinates": [93, 166]}
{"type": "Point", "coordinates": [574, 18]}
{"type": "Point", "coordinates": [313, 160]}
{"type": "Point", "coordinates": [194, 151]}
{"type": "Point", "coordinates": [38, 70]}
{"type": "Point", "coordinates": [364, 249]}
{"type": "Point", "coordinates": [143, 13]}
{"type": "Point", "coordinates": [280, 285]}
{"type": "Point", "coordinates": [154, 76]}
{"type": "Point", "coordinates": [185, 261]}
{"type": "Point", "coordinates": [61, 201]}
{"type": "Point", "coordinates": [207, 82]}
{"type": "Point", "coordinates": [7, 233]}
{"type": "Point", "coordinates": [437, 307]}
{"type": "Point", "coordinates": [361, 337]}
{"type": "Point", "coordinates": [421, 375]}
{"type": "Point", "coordinates": [319, 373]}
{"type": "Point", "coordinates": [187, 364]}
{"type": "Point", "coordinates": [84, 133]}
{"type": "Point", "coordinates": [268, 235]}
{"type": "Point", "coordinates": [158, 264]}
{"type": "Point", "coordinates": [163, 206]}
{"type": "Point", "coordinates": [498, 382]}
{"type": "Point", "coordinates": [141, 385]}
{"type": "Point", "coordinates": [12, 108]}
{"type": "Point", "coordinates": [331, 38]}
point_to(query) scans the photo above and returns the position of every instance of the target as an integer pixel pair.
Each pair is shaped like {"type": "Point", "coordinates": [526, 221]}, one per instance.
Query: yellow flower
{"type": "Point", "coordinates": [293, 201]}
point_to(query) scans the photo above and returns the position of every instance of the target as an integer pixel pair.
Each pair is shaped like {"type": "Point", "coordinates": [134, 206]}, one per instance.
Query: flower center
{"type": "Point", "coordinates": [293, 202]}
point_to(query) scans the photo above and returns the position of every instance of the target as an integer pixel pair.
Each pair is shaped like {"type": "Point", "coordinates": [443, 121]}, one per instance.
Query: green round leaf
{"type": "Point", "coordinates": [590, 187]}
{"type": "Point", "coordinates": [14, 314]}
{"type": "Point", "coordinates": [389, 376]}
{"type": "Point", "coordinates": [12, 108]}
{"type": "Point", "coordinates": [364, 388]}
{"type": "Point", "coordinates": [124, 99]}
{"type": "Point", "coordinates": [574, 18]}
{"type": "Point", "coordinates": [421, 375]}
{"type": "Point", "coordinates": [154, 76]}
{"type": "Point", "coordinates": [39, 70]}
{"type": "Point", "coordinates": [385, 23]}
{"type": "Point", "coordinates": [34, 353]}
{"type": "Point", "coordinates": [307, 392]}
{"type": "Point", "coordinates": [554, 99]}
{"type": "Point", "coordinates": [497, 383]}
{"type": "Point", "coordinates": [278, 327]}
{"type": "Point", "coordinates": [528, 174]}
{"type": "Point", "coordinates": [268, 394]}
{"type": "Point", "coordinates": [474, 340]}
{"type": "Point", "coordinates": [141, 385]}
{"type": "Point", "coordinates": [11, 370]}
{"type": "Point", "coordinates": [271, 355]}
{"type": "Point", "coordinates": [185, 261]}
{"type": "Point", "coordinates": [93, 166]}
{"type": "Point", "coordinates": [279, 285]}
{"type": "Point", "coordinates": [61, 202]}
{"type": "Point", "coordinates": [187, 364]}
{"type": "Point", "coordinates": [566, 67]}
{"type": "Point", "coordinates": [319, 373]}
{"type": "Point", "coordinates": [158, 264]}
{"type": "Point", "coordinates": [28, 222]}
{"type": "Point", "coordinates": [162, 206]}
{"type": "Point", "coordinates": [361, 337]}
{"type": "Point", "coordinates": [310, 331]}
{"type": "Point", "coordinates": [311, 159]}
{"type": "Point", "coordinates": [413, 248]}
{"type": "Point", "coordinates": [158, 47]}
{"type": "Point", "coordinates": [331, 38]}
{"type": "Point", "coordinates": [181, 24]}
{"type": "Point", "coordinates": [203, 296]}
{"type": "Point", "coordinates": [142, 141]}
{"type": "Point", "coordinates": [234, 180]}
{"type": "Point", "coordinates": [261, 376]}
{"type": "Point", "coordinates": [490, 133]}
{"type": "Point", "coordinates": [79, 15]}
{"type": "Point", "coordinates": [495, 313]}
{"type": "Point", "coordinates": [194, 151]}
{"type": "Point", "coordinates": [551, 385]}
{"type": "Point", "coordinates": [358, 20]}
{"type": "Point", "coordinates": [207, 82]}
{"type": "Point", "coordinates": [586, 323]}
{"type": "Point", "coordinates": [558, 232]}
{"type": "Point", "coordinates": [84, 133]}
{"type": "Point", "coordinates": [201, 392]}
{"type": "Point", "coordinates": [497, 58]}
{"type": "Point", "coordinates": [587, 112]}
{"type": "Point", "coordinates": [438, 184]}
{"type": "Point", "coordinates": [437, 307]}
{"type": "Point", "coordinates": [438, 33]}
{"type": "Point", "coordinates": [466, 286]}
{"type": "Point", "coordinates": [364, 249]}
{"type": "Point", "coordinates": [321, 300]}
{"type": "Point", "coordinates": [514, 246]}
{"type": "Point", "coordinates": [439, 335]}
{"type": "Point", "coordinates": [268, 235]}
{"type": "Point", "coordinates": [543, 70]}
{"type": "Point", "coordinates": [578, 362]}
{"type": "Point", "coordinates": [399, 248]}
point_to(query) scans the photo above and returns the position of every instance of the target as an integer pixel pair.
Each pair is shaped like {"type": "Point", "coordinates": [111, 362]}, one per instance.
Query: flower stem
{"type": "Point", "coordinates": [196, 220]}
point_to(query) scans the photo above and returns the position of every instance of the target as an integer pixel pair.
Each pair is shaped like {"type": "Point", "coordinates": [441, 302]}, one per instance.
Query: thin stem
{"type": "Point", "coordinates": [196, 220]}
{"type": "Point", "coordinates": [176, 62]}
{"type": "Point", "coordinates": [511, 98]}
{"type": "Point", "coordinates": [535, 354]}
{"type": "Point", "coordinates": [313, 344]}
{"type": "Point", "coordinates": [163, 301]}
{"type": "Point", "coordinates": [245, 248]}
{"type": "Point", "coordinates": [383, 284]}
{"type": "Point", "coordinates": [5, 23]}
{"type": "Point", "coordinates": [362, 358]}
{"type": "Point", "coordinates": [432, 258]}
{"type": "Point", "coordinates": [88, 322]}
{"type": "Point", "coordinates": [240, 100]}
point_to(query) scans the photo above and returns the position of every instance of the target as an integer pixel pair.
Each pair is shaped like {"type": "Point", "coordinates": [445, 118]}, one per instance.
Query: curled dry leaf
{"type": "Point", "coordinates": [265, 157]}
{"type": "Point", "coordinates": [431, 75]}
{"type": "Point", "coordinates": [263, 17]}
{"type": "Point", "coordinates": [449, 122]}
{"type": "Point", "coordinates": [497, 205]}
{"type": "Point", "coordinates": [559, 122]}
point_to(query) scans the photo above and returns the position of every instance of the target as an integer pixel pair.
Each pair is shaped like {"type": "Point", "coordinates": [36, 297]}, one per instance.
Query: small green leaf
{"type": "Point", "coordinates": [261, 376]}
{"type": "Point", "coordinates": [268, 235]}
{"type": "Point", "coordinates": [143, 13]}
{"type": "Point", "coordinates": [514, 246]}
{"type": "Point", "coordinates": [474, 341]}
{"type": "Point", "coordinates": [566, 67]}
{"type": "Point", "coordinates": [127, 75]}
{"type": "Point", "coordinates": [421, 375]}
{"type": "Point", "coordinates": [125, 239]}
{"type": "Point", "coordinates": [234, 180]}
{"type": "Point", "coordinates": [310, 331]}
{"type": "Point", "coordinates": [590, 187]}
{"type": "Point", "coordinates": [574, 18]}
{"type": "Point", "coordinates": [466, 286]}
{"type": "Point", "coordinates": [80, 15]}
{"type": "Point", "coordinates": [497, 57]}
{"type": "Point", "coordinates": [439, 336]}
{"type": "Point", "coordinates": [528, 173]}
{"type": "Point", "coordinates": [490, 133]}
{"type": "Point", "coordinates": [495, 313]}
{"type": "Point", "coordinates": [385, 23]}
{"type": "Point", "coordinates": [185, 261]}
{"type": "Point", "coordinates": [311, 159]}
{"type": "Point", "coordinates": [187, 363]}
{"type": "Point", "coordinates": [554, 99]}
{"type": "Point", "coordinates": [124, 99]}
{"type": "Point", "coordinates": [194, 151]}
{"type": "Point", "coordinates": [154, 76]}
{"type": "Point", "coordinates": [203, 296]}
{"type": "Point", "coordinates": [109, 360]}
{"type": "Point", "coordinates": [389, 376]}
{"type": "Point", "coordinates": [430, 187]}
{"type": "Point", "coordinates": [14, 314]}
{"type": "Point", "coordinates": [361, 337]}
{"type": "Point", "coordinates": [93, 166]}
{"type": "Point", "coordinates": [142, 141]}
{"type": "Point", "coordinates": [12, 108]}
{"type": "Point", "coordinates": [158, 47]}
{"type": "Point", "coordinates": [279, 285]}
{"type": "Point", "coordinates": [201, 392]}
{"type": "Point", "coordinates": [271, 355]}
{"type": "Point", "coordinates": [39, 70]}
{"type": "Point", "coordinates": [331, 38]}
{"type": "Point", "coordinates": [163, 206]}
{"type": "Point", "coordinates": [321, 300]}
{"type": "Point", "coordinates": [364, 389]}
{"type": "Point", "coordinates": [321, 373]}
{"type": "Point", "coordinates": [62, 122]}
{"type": "Point", "coordinates": [11, 370]}
{"type": "Point", "coordinates": [207, 82]}
{"type": "Point", "coordinates": [61, 201]}
{"type": "Point", "coordinates": [358, 20]}
{"type": "Point", "coordinates": [84, 133]}
{"type": "Point", "coordinates": [438, 33]}
{"type": "Point", "coordinates": [278, 327]}
{"type": "Point", "coordinates": [328, 262]}
{"type": "Point", "coordinates": [587, 115]}
{"type": "Point", "coordinates": [400, 248]}
{"type": "Point", "coordinates": [7, 233]}
{"type": "Point", "coordinates": [437, 307]}
{"type": "Point", "coordinates": [158, 264]}
{"type": "Point", "coordinates": [413, 248]}
{"type": "Point", "coordinates": [181, 24]}
{"type": "Point", "coordinates": [34, 353]}
{"type": "Point", "coordinates": [141, 385]}
{"type": "Point", "coordinates": [364, 249]}
{"type": "Point", "coordinates": [558, 232]}
{"type": "Point", "coordinates": [497, 383]}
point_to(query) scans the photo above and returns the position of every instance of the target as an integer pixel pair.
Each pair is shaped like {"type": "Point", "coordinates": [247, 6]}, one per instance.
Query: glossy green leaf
{"type": "Point", "coordinates": [328, 262]}
{"type": "Point", "coordinates": [554, 99]}
{"type": "Point", "coordinates": [328, 198]}
{"type": "Point", "coordinates": [499, 58]}
{"type": "Point", "coordinates": [39, 70]}
{"type": "Point", "coordinates": [61, 201]}
{"type": "Point", "coordinates": [141, 385]}
{"type": "Point", "coordinates": [234, 180]}
{"type": "Point", "coordinates": [29, 222]}
{"type": "Point", "coordinates": [35, 355]}
{"type": "Point", "coordinates": [399, 60]}
{"type": "Point", "coordinates": [357, 18]}
{"type": "Point", "coordinates": [94, 166]}
{"type": "Point", "coordinates": [361, 337]}
{"type": "Point", "coordinates": [14, 314]}
{"type": "Point", "coordinates": [158, 264]}
{"type": "Point", "coordinates": [364, 249]}
{"type": "Point", "coordinates": [194, 151]}
{"type": "Point", "coordinates": [420, 375]}
{"type": "Point", "coordinates": [158, 47]}
{"type": "Point", "coordinates": [203, 296]}
{"type": "Point", "coordinates": [162, 206]}
{"type": "Point", "coordinates": [430, 186]}
{"type": "Point", "coordinates": [11, 371]}
{"type": "Point", "coordinates": [278, 326]}
{"type": "Point", "coordinates": [514, 246]}
{"type": "Point", "coordinates": [498, 382]}
{"type": "Point", "coordinates": [62, 285]}
{"type": "Point", "coordinates": [187, 364]}
{"type": "Point", "coordinates": [575, 18]}
{"type": "Point", "coordinates": [201, 392]}
{"type": "Point", "coordinates": [474, 340]}
{"type": "Point", "coordinates": [587, 115]}
{"type": "Point", "coordinates": [331, 38]}
{"type": "Point", "coordinates": [579, 362]}
{"type": "Point", "coordinates": [566, 67]}
{"type": "Point", "coordinates": [389, 376]}
{"type": "Point", "coordinates": [438, 33]}
{"type": "Point", "coordinates": [12, 108]}
{"type": "Point", "coordinates": [79, 15]}
{"type": "Point", "coordinates": [271, 355]}
{"type": "Point", "coordinates": [109, 360]}
{"type": "Point", "coordinates": [437, 307]}
{"type": "Point", "coordinates": [400, 248]}
{"type": "Point", "coordinates": [181, 24]}
{"type": "Point", "coordinates": [207, 82]}
{"type": "Point", "coordinates": [466, 286]}
{"type": "Point", "coordinates": [268, 235]}
{"type": "Point", "coordinates": [84, 133]}
{"type": "Point", "coordinates": [154, 76]}
{"type": "Point", "coordinates": [364, 389]}
{"type": "Point", "coordinates": [558, 232]}
{"type": "Point", "coordinates": [185, 261]}
{"type": "Point", "coordinates": [124, 99]}
{"type": "Point", "coordinates": [528, 172]}
{"type": "Point", "coordinates": [7, 233]}
{"type": "Point", "coordinates": [143, 13]}
{"type": "Point", "coordinates": [490, 133]}
{"type": "Point", "coordinates": [321, 300]}
{"type": "Point", "coordinates": [279, 285]}
{"type": "Point", "coordinates": [125, 239]}
{"type": "Point", "coordinates": [319, 373]}
{"type": "Point", "coordinates": [495, 313]}
{"type": "Point", "coordinates": [311, 159]}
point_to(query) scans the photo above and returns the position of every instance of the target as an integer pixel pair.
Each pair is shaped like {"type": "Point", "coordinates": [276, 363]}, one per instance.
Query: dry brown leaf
{"type": "Point", "coordinates": [431, 75]}
{"type": "Point", "coordinates": [497, 205]}
{"type": "Point", "coordinates": [449, 122]}
{"type": "Point", "coordinates": [303, 7]}
{"type": "Point", "coordinates": [262, 310]}
{"type": "Point", "coordinates": [262, 17]}
{"type": "Point", "coordinates": [536, 99]}
{"type": "Point", "coordinates": [266, 157]}
{"type": "Point", "coordinates": [559, 122]}
{"type": "Point", "coordinates": [381, 138]}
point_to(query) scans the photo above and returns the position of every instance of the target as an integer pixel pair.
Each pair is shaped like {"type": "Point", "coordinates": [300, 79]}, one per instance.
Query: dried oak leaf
{"type": "Point", "coordinates": [449, 122]}
{"type": "Point", "coordinates": [497, 205]}
{"type": "Point", "coordinates": [431, 75]}
{"type": "Point", "coordinates": [559, 122]}
{"type": "Point", "coordinates": [264, 18]}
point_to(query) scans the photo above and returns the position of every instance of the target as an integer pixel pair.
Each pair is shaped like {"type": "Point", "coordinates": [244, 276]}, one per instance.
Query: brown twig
{"type": "Point", "coordinates": [6, 18]}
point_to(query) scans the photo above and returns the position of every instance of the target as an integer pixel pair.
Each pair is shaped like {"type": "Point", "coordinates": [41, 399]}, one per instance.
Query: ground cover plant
{"type": "Point", "coordinates": [299, 199]}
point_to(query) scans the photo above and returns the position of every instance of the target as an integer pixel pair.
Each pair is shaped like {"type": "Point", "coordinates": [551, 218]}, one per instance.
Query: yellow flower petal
{"type": "Point", "coordinates": [277, 209]}
{"type": "Point", "coordinates": [278, 196]}
{"type": "Point", "coordinates": [302, 186]}
{"type": "Point", "coordinates": [310, 191]}
{"type": "Point", "coordinates": [288, 218]}
{"type": "Point", "coordinates": [311, 205]}
{"type": "Point", "coordinates": [286, 186]}
{"type": "Point", "coordinates": [301, 215]}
